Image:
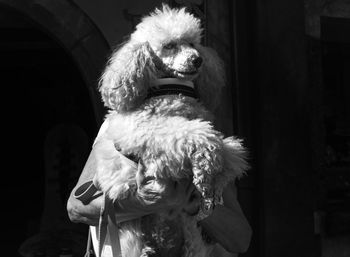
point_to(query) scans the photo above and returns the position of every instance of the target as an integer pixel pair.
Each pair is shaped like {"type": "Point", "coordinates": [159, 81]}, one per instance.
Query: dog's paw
{"type": "Point", "coordinates": [235, 157]}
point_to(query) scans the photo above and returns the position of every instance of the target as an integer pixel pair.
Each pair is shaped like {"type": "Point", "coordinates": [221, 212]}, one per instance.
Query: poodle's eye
{"type": "Point", "coordinates": [191, 45]}
{"type": "Point", "coordinates": [170, 46]}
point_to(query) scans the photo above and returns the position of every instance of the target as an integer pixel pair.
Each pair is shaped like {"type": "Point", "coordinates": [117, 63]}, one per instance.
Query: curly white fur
{"type": "Point", "coordinates": [173, 135]}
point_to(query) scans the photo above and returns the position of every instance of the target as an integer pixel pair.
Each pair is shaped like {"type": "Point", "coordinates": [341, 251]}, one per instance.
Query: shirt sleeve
{"type": "Point", "coordinates": [102, 131]}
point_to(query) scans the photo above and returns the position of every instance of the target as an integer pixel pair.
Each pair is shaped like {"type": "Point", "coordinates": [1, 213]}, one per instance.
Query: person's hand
{"type": "Point", "coordinates": [152, 195]}
{"type": "Point", "coordinates": [173, 196]}
{"type": "Point", "coordinates": [193, 202]}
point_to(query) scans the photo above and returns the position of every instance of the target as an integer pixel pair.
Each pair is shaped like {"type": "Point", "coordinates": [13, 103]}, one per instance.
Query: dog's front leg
{"type": "Point", "coordinates": [207, 162]}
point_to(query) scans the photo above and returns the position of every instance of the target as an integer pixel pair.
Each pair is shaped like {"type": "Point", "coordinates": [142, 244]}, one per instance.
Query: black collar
{"type": "Point", "coordinates": [172, 86]}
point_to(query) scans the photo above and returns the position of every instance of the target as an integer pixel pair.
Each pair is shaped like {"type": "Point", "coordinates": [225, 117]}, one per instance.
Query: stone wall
{"type": "Point", "coordinates": [112, 17]}
{"type": "Point", "coordinates": [314, 9]}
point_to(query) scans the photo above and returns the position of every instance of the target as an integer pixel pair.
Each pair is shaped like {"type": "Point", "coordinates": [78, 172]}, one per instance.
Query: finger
{"type": "Point", "coordinates": [193, 203]}
{"type": "Point", "coordinates": [195, 196]}
{"type": "Point", "coordinates": [95, 182]}
{"type": "Point", "coordinates": [140, 176]}
{"type": "Point", "coordinates": [183, 185]}
{"type": "Point", "coordinates": [190, 189]}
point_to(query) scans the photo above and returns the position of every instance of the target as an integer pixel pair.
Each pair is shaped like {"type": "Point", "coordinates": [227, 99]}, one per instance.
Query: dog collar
{"type": "Point", "coordinates": [172, 86]}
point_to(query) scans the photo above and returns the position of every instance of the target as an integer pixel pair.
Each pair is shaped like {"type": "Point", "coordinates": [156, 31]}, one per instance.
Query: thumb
{"type": "Point", "coordinates": [140, 174]}
{"type": "Point", "coordinates": [96, 183]}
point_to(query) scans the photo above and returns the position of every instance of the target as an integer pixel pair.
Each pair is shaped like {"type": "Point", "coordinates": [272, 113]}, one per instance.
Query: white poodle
{"type": "Point", "coordinates": [160, 87]}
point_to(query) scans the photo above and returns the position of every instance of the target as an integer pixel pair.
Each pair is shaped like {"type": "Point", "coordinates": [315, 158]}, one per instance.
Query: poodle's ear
{"type": "Point", "coordinates": [211, 78]}
{"type": "Point", "coordinates": [126, 79]}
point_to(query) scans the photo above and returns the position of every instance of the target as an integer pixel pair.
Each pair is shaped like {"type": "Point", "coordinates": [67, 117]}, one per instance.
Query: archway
{"type": "Point", "coordinates": [73, 29]}
{"type": "Point", "coordinates": [48, 76]}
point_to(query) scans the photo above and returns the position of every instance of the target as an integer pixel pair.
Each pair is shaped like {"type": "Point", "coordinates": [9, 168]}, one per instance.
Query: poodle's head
{"type": "Point", "coordinates": [165, 44]}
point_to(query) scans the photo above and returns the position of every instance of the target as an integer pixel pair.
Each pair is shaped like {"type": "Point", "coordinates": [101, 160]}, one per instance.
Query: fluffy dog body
{"type": "Point", "coordinates": [172, 135]}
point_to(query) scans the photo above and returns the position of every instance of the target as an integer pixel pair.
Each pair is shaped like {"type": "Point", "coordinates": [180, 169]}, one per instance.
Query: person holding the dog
{"type": "Point", "coordinates": [226, 226]}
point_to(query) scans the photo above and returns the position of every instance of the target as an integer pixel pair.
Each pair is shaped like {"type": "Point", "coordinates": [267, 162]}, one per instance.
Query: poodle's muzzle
{"type": "Point", "coordinates": [181, 61]}
{"type": "Point", "coordinates": [195, 63]}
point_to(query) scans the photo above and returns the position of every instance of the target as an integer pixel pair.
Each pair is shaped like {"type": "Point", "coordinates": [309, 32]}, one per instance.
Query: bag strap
{"type": "Point", "coordinates": [89, 249]}
{"type": "Point", "coordinates": [113, 230]}
{"type": "Point", "coordinates": [107, 220]}
{"type": "Point", "coordinates": [108, 223]}
{"type": "Point", "coordinates": [102, 226]}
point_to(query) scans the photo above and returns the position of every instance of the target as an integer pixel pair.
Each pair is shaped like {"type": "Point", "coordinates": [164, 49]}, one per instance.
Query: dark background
{"type": "Point", "coordinates": [288, 97]}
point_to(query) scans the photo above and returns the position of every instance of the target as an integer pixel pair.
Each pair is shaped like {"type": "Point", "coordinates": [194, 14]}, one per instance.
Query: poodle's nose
{"type": "Point", "coordinates": [197, 62]}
